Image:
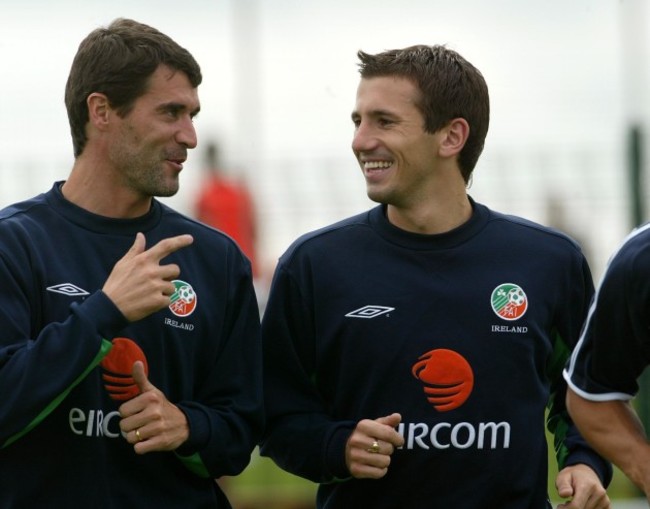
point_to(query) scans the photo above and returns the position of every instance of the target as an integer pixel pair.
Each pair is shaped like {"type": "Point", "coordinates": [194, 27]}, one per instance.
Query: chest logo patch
{"type": "Point", "coordinates": [183, 300]}
{"type": "Point", "coordinates": [369, 311]}
{"type": "Point", "coordinates": [68, 289]}
{"type": "Point", "coordinates": [509, 301]}
{"type": "Point", "coordinates": [447, 377]}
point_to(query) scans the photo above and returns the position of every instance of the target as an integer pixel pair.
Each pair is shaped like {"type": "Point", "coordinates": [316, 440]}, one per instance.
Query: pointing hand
{"type": "Point", "coordinates": [138, 284]}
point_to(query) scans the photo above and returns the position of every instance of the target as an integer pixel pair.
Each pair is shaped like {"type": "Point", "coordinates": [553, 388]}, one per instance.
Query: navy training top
{"type": "Point", "coordinates": [465, 334]}
{"type": "Point", "coordinates": [66, 354]}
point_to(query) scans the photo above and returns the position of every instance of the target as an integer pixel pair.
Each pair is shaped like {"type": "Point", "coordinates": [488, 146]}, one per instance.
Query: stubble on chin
{"type": "Point", "coordinates": [156, 182]}
{"type": "Point", "coordinates": [166, 188]}
{"type": "Point", "coordinates": [376, 195]}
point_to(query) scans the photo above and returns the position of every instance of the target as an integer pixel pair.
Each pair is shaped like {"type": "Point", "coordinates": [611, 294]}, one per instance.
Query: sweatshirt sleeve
{"type": "Point", "coordinates": [226, 415]}
{"type": "Point", "coordinates": [40, 365]}
{"type": "Point", "coordinates": [300, 436]}
{"type": "Point", "coordinates": [570, 446]}
{"type": "Point", "coordinates": [615, 347]}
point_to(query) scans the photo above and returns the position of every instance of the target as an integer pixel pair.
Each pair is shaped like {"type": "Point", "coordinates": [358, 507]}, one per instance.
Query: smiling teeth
{"type": "Point", "coordinates": [371, 165]}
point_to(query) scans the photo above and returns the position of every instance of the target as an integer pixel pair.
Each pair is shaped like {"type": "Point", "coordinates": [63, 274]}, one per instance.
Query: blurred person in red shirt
{"type": "Point", "coordinates": [225, 203]}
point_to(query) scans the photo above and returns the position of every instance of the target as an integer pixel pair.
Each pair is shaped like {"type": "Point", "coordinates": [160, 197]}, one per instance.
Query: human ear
{"type": "Point", "coordinates": [98, 110]}
{"type": "Point", "coordinates": [455, 137]}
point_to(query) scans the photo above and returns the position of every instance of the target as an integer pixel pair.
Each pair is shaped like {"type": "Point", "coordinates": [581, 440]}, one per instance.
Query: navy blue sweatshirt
{"type": "Point", "coordinates": [66, 354]}
{"type": "Point", "coordinates": [465, 334]}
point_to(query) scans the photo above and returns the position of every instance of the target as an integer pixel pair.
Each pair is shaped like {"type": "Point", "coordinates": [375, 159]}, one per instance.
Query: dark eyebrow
{"type": "Point", "coordinates": [177, 108]}
{"type": "Point", "coordinates": [382, 113]}
{"type": "Point", "coordinates": [374, 113]}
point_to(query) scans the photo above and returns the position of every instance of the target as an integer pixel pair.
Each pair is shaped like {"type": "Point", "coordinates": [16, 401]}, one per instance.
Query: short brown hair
{"type": "Point", "coordinates": [117, 61]}
{"type": "Point", "coordinates": [450, 87]}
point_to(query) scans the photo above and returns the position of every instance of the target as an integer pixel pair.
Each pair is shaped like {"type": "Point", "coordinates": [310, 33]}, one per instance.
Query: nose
{"type": "Point", "coordinates": [363, 139]}
{"type": "Point", "coordinates": [186, 134]}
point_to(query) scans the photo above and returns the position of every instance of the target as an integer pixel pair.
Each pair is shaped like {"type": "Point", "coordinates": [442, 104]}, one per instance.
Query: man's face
{"type": "Point", "coordinates": [396, 155]}
{"type": "Point", "coordinates": [150, 143]}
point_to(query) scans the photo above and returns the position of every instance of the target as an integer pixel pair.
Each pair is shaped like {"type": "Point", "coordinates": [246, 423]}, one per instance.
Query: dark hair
{"type": "Point", "coordinates": [450, 87]}
{"type": "Point", "coordinates": [117, 61]}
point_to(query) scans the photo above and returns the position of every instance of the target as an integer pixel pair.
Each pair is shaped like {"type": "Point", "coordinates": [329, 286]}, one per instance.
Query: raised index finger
{"type": "Point", "coordinates": [169, 245]}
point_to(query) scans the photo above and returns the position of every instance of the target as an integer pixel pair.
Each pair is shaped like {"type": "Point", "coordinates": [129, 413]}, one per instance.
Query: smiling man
{"type": "Point", "coordinates": [130, 355]}
{"type": "Point", "coordinates": [411, 351]}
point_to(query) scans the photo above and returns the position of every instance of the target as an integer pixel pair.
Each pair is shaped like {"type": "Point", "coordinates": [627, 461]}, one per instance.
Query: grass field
{"type": "Point", "coordinates": [265, 486]}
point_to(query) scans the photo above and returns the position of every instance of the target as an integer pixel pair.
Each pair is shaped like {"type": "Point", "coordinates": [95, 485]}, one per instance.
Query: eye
{"type": "Point", "coordinates": [173, 110]}
{"type": "Point", "coordinates": [172, 113]}
{"type": "Point", "coordinates": [384, 122]}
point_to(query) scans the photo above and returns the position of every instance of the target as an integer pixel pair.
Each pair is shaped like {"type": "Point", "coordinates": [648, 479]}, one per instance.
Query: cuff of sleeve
{"type": "Point", "coordinates": [601, 466]}
{"type": "Point", "coordinates": [199, 430]}
{"type": "Point", "coordinates": [335, 451]}
{"type": "Point", "coordinates": [108, 319]}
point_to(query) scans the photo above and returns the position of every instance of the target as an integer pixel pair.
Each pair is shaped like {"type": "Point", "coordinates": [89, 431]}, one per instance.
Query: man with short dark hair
{"type": "Point", "coordinates": [411, 351]}
{"type": "Point", "coordinates": [130, 355]}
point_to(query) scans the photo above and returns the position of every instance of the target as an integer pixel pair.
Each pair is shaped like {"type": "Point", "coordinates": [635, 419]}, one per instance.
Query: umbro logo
{"type": "Point", "coordinates": [369, 311]}
{"type": "Point", "coordinates": [68, 289]}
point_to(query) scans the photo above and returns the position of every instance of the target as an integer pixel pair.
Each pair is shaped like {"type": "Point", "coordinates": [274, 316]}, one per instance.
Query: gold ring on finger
{"type": "Point", "coordinates": [374, 448]}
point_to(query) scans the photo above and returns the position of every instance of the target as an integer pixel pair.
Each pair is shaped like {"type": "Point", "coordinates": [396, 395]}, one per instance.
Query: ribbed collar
{"type": "Point", "coordinates": [417, 241]}
{"type": "Point", "coordinates": [102, 224]}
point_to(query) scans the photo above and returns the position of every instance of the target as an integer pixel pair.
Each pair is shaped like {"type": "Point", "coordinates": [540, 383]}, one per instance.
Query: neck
{"type": "Point", "coordinates": [439, 215]}
{"type": "Point", "coordinates": [94, 189]}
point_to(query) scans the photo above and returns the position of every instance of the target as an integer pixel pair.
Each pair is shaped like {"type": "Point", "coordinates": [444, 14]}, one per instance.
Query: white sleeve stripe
{"type": "Point", "coordinates": [606, 396]}
{"type": "Point", "coordinates": [569, 371]}
{"type": "Point", "coordinates": [574, 354]}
